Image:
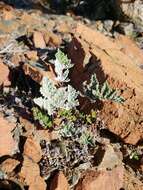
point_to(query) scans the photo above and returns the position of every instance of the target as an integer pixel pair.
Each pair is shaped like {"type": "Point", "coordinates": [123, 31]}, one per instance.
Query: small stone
{"type": "Point", "coordinates": [9, 165]}
{"type": "Point", "coordinates": [38, 40]}
{"type": "Point", "coordinates": [110, 159]}
{"type": "Point", "coordinates": [59, 182]}
{"type": "Point", "coordinates": [8, 15]}
{"type": "Point", "coordinates": [102, 180]}
{"type": "Point", "coordinates": [4, 74]}
{"type": "Point", "coordinates": [32, 149]}
{"type": "Point", "coordinates": [8, 146]}
{"type": "Point", "coordinates": [32, 55]}
{"type": "Point", "coordinates": [46, 135]}
{"type": "Point", "coordinates": [63, 27]}
{"type": "Point", "coordinates": [55, 39]}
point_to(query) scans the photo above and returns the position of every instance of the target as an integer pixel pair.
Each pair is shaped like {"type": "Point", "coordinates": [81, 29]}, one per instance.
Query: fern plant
{"type": "Point", "coordinates": [54, 98]}
{"type": "Point", "coordinates": [62, 66]}
{"type": "Point", "coordinates": [95, 91]}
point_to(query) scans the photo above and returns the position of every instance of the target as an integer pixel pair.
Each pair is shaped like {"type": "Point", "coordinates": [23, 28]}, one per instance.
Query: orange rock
{"type": "Point", "coordinates": [9, 165]}
{"type": "Point", "coordinates": [103, 180]}
{"type": "Point", "coordinates": [28, 126]}
{"type": "Point", "coordinates": [37, 73]}
{"type": "Point", "coordinates": [16, 59]}
{"type": "Point", "coordinates": [38, 40]}
{"type": "Point", "coordinates": [94, 37]}
{"type": "Point", "coordinates": [46, 37]}
{"type": "Point", "coordinates": [63, 27]}
{"type": "Point", "coordinates": [129, 47]}
{"type": "Point", "coordinates": [8, 146]}
{"type": "Point", "coordinates": [3, 40]}
{"type": "Point", "coordinates": [30, 172]}
{"type": "Point", "coordinates": [59, 182]}
{"type": "Point", "coordinates": [9, 28]}
{"type": "Point", "coordinates": [46, 135]}
{"type": "Point", "coordinates": [133, 137]}
{"type": "Point", "coordinates": [8, 15]}
{"type": "Point", "coordinates": [4, 74]}
{"type": "Point", "coordinates": [39, 184]}
{"type": "Point", "coordinates": [28, 19]}
{"type": "Point", "coordinates": [54, 39]}
{"type": "Point", "coordinates": [32, 149]}
{"type": "Point", "coordinates": [111, 158]}
{"type": "Point", "coordinates": [32, 55]}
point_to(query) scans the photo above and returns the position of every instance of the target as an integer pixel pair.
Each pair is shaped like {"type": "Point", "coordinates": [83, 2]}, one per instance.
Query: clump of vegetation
{"type": "Point", "coordinates": [95, 91]}
{"type": "Point", "coordinates": [62, 101]}
{"type": "Point", "coordinates": [74, 115]}
{"type": "Point", "coordinates": [54, 98]}
{"type": "Point", "coordinates": [77, 135]}
{"type": "Point", "coordinates": [75, 147]}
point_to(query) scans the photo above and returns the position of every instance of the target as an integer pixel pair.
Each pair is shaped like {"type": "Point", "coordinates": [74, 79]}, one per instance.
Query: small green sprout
{"type": "Point", "coordinates": [62, 57]}
{"type": "Point", "coordinates": [43, 118]}
{"type": "Point", "coordinates": [134, 156]}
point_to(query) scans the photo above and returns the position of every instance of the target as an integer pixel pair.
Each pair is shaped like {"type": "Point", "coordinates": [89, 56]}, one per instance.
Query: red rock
{"type": "Point", "coordinates": [32, 55]}
{"type": "Point", "coordinates": [30, 172]}
{"type": "Point", "coordinates": [95, 180]}
{"type": "Point", "coordinates": [32, 149]}
{"type": "Point", "coordinates": [63, 27]}
{"type": "Point", "coordinates": [129, 47]}
{"type": "Point", "coordinates": [4, 74]}
{"type": "Point", "coordinates": [8, 15]}
{"type": "Point", "coordinates": [94, 37]}
{"type": "Point", "coordinates": [111, 158]}
{"type": "Point", "coordinates": [38, 40]}
{"type": "Point", "coordinates": [37, 74]}
{"type": "Point", "coordinates": [28, 126]}
{"type": "Point", "coordinates": [52, 39]}
{"type": "Point", "coordinates": [39, 184]}
{"type": "Point", "coordinates": [9, 165]}
{"type": "Point", "coordinates": [8, 146]}
{"type": "Point", "coordinates": [59, 182]}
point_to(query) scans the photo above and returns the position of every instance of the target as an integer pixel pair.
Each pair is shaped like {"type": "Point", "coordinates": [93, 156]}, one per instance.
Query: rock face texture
{"type": "Point", "coordinates": [93, 180]}
{"type": "Point", "coordinates": [4, 74]}
{"type": "Point", "coordinates": [110, 60]}
{"type": "Point", "coordinates": [8, 146]}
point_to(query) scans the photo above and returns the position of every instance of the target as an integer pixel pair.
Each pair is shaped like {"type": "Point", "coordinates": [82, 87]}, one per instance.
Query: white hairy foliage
{"type": "Point", "coordinates": [62, 66]}
{"type": "Point", "coordinates": [54, 98]}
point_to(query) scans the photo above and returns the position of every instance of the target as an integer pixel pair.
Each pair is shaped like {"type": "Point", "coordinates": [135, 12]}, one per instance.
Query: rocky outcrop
{"type": "Point", "coordinates": [121, 66]}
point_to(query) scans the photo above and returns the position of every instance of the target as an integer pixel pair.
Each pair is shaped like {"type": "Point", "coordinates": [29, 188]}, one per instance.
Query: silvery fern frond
{"type": "Point", "coordinates": [62, 66]}
{"type": "Point", "coordinates": [56, 98]}
{"type": "Point", "coordinates": [95, 91]}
